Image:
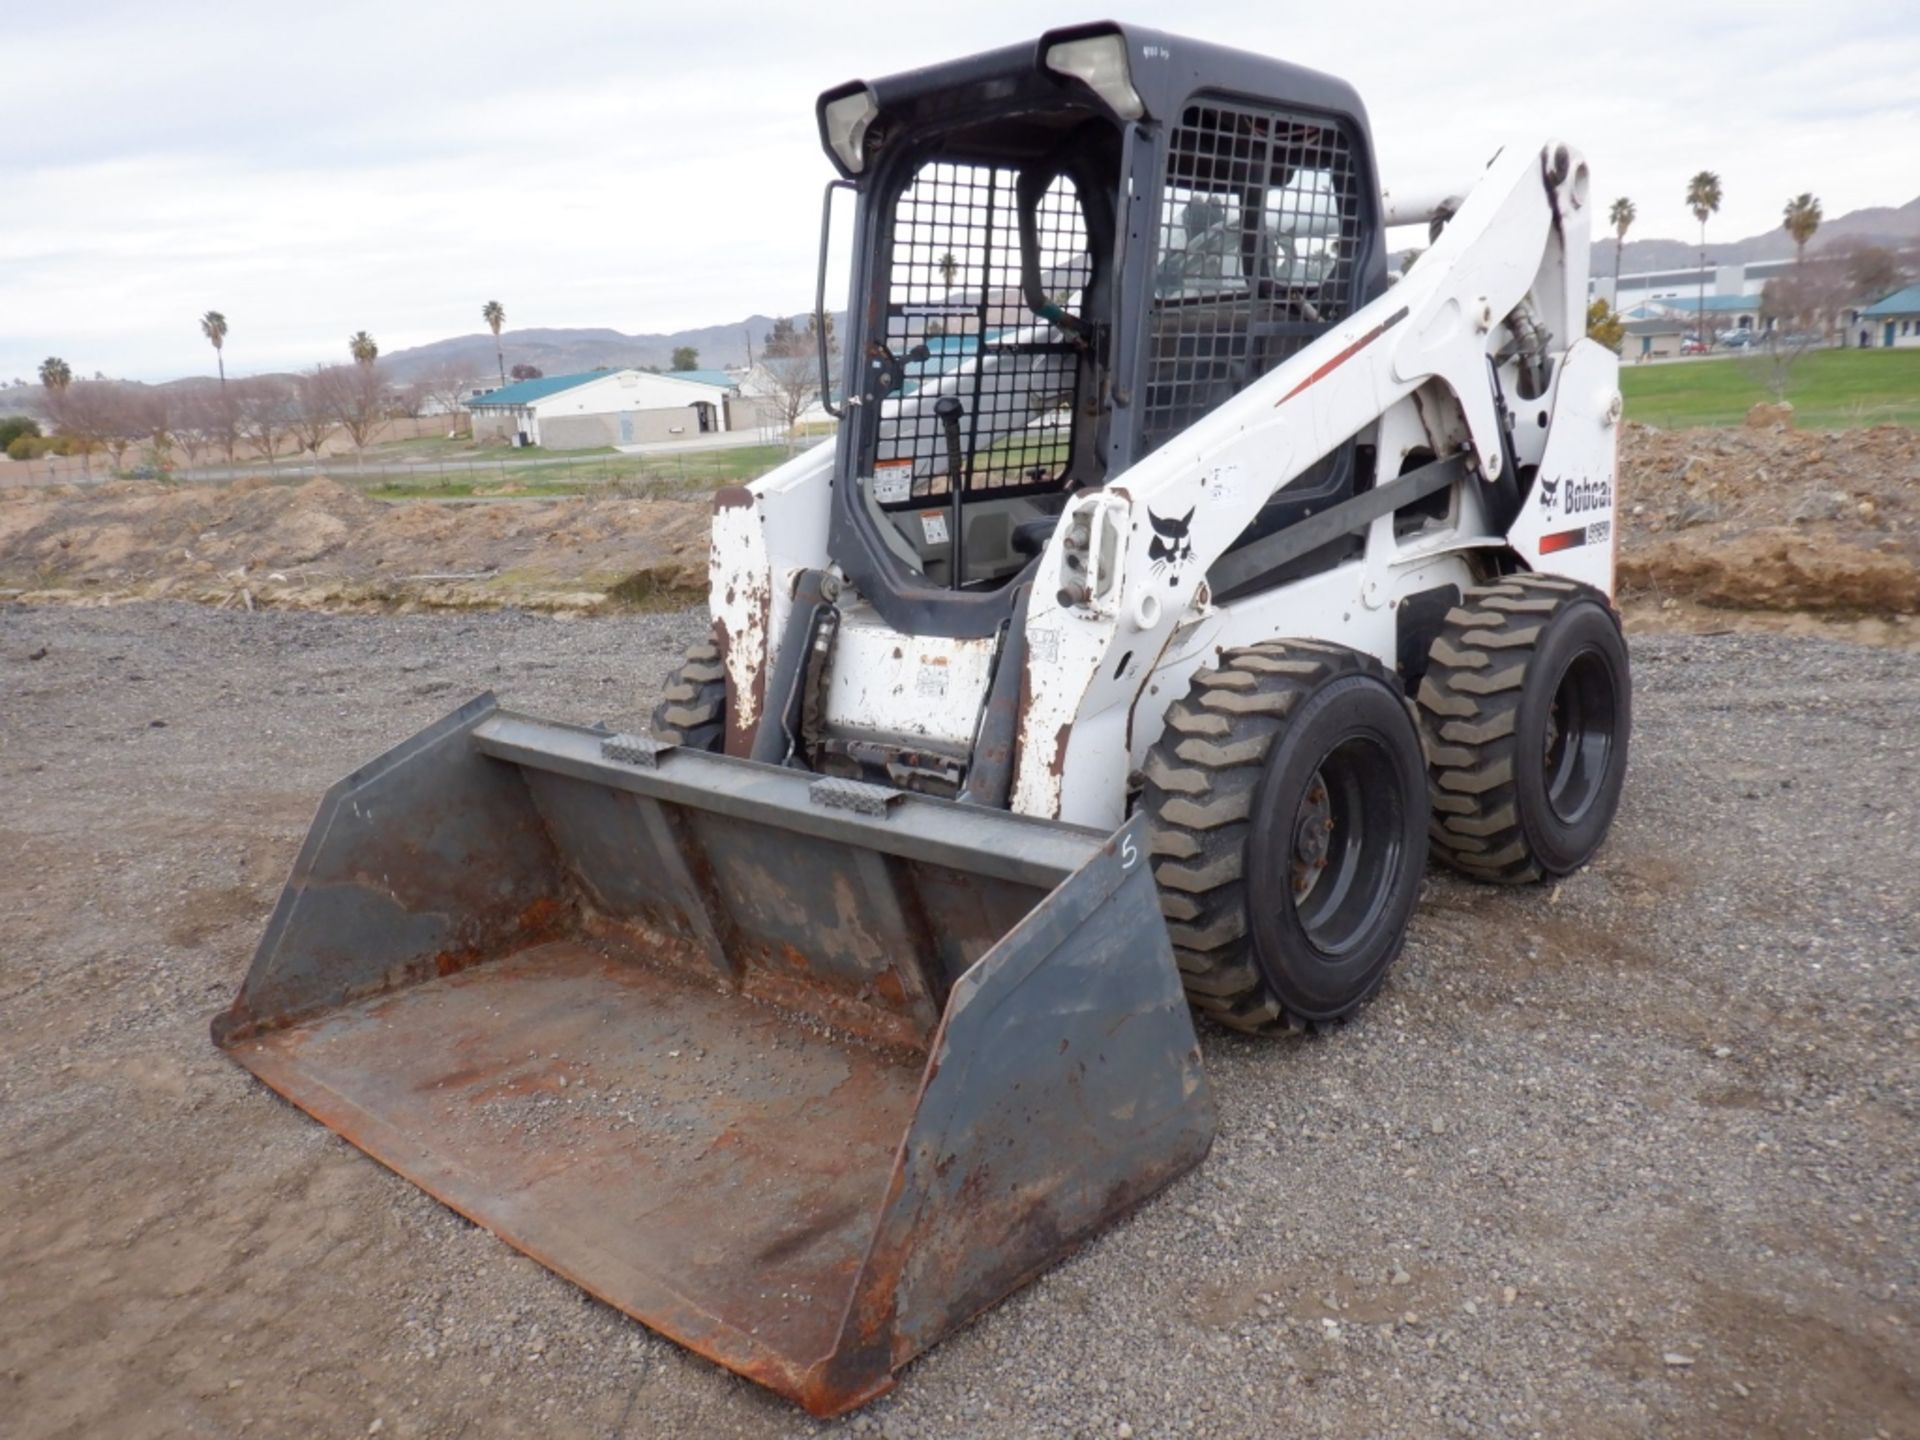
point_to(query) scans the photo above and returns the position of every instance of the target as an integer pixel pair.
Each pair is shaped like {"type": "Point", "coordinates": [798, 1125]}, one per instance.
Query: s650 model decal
{"type": "Point", "coordinates": [1597, 533]}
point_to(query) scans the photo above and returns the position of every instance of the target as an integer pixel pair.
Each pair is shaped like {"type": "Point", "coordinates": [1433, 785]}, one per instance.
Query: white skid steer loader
{"type": "Point", "coordinates": [1179, 576]}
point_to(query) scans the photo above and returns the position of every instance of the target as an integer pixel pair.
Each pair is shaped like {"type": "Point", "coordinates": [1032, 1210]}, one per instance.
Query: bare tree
{"type": "Point", "coordinates": [199, 421]}
{"type": "Point", "coordinates": [355, 395]}
{"type": "Point", "coordinates": [115, 417]}
{"type": "Point", "coordinates": [89, 411]}
{"type": "Point", "coordinates": [154, 409]}
{"type": "Point", "coordinates": [410, 399]}
{"type": "Point", "coordinates": [795, 381]}
{"type": "Point", "coordinates": [1796, 308]}
{"type": "Point", "coordinates": [791, 363]}
{"type": "Point", "coordinates": [263, 412]}
{"type": "Point", "coordinates": [448, 385]}
{"type": "Point", "coordinates": [1872, 270]}
{"type": "Point", "coordinates": [310, 417]}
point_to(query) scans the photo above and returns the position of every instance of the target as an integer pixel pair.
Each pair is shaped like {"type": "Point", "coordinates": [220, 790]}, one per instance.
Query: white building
{"type": "Point", "coordinates": [1645, 286]}
{"type": "Point", "coordinates": [610, 407]}
{"type": "Point", "coordinates": [1892, 323]}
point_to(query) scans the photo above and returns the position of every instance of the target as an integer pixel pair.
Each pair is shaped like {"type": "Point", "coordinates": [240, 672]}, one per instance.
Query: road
{"type": "Point", "coordinates": [1633, 1154]}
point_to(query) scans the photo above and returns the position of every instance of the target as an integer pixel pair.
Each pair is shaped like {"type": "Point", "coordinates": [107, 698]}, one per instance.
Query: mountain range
{"type": "Point", "coordinates": [1894, 227]}
{"type": "Point", "coordinates": [563, 351]}
{"type": "Point", "coordinates": [557, 351]}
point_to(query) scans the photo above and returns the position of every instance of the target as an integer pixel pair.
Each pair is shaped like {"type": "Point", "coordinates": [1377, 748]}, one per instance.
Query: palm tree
{"type": "Point", "coordinates": [1800, 219]}
{"type": "Point", "coordinates": [495, 314]}
{"type": "Point", "coordinates": [56, 374]}
{"type": "Point", "coordinates": [1622, 215]}
{"type": "Point", "coordinates": [1703, 198]}
{"type": "Point", "coordinates": [948, 267]}
{"type": "Point", "coordinates": [362, 346]}
{"type": "Point", "coordinates": [213, 325]}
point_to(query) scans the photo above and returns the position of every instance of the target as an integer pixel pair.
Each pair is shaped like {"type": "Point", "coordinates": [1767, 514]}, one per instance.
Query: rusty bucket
{"type": "Point", "coordinates": [801, 1073]}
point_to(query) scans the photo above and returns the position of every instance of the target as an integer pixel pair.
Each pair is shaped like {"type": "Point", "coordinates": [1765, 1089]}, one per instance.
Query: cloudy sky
{"type": "Point", "coordinates": [317, 169]}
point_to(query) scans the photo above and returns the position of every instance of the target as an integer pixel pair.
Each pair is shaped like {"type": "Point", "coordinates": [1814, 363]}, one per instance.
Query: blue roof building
{"type": "Point", "coordinates": [1891, 322]}
{"type": "Point", "coordinates": [609, 407]}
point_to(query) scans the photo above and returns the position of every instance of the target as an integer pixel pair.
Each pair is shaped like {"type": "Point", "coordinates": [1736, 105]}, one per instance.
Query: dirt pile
{"type": "Point", "coordinates": [321, 544]}
{"type": "Point", "coordinates": [1770, 518]}
{"type": "Point", "coordinates": [1763, 518]}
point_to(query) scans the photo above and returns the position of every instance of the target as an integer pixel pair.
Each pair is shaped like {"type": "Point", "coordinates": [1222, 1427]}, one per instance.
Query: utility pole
{"type": "Point", "coordinates": [749, 334]}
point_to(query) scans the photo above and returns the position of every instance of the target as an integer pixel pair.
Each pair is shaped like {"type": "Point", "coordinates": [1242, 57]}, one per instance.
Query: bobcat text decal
{"type": "Point", "coordinates": [1576, 497]}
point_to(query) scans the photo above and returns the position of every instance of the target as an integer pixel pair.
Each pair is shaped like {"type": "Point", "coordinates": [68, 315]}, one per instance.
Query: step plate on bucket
{"type": "Point", "coordinates": [647, 1136]}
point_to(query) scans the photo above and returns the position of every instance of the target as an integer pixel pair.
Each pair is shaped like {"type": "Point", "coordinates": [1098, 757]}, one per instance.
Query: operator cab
{"type": "Point", "coordinates": [1065, 255]}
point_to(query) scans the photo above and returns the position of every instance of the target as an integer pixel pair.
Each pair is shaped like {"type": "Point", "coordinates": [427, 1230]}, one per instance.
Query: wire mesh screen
{"type": "Point", "coordinates": [954, 287]}
{"type": "Point", "coordinates": [1259, 236]}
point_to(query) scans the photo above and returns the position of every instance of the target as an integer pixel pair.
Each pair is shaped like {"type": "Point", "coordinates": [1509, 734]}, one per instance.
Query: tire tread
{"type": "Point", "coordinates": [1468, 706]}
{"type": "Point", "coordinates": [1200, 781]}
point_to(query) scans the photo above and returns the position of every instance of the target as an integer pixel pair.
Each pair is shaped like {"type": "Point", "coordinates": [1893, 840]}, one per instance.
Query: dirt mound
{"type": "Point", "coordinates": [1770, 518]}
{"type": "Point", "coordinates": [324, 544]}
{"type": "Point", "coordinates": [1762, 518]}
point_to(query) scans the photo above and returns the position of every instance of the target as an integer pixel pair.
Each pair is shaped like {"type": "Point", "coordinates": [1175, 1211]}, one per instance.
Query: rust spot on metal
{"type": "Point", "coordinates": [449, 962]}
{"type": "Point", "coordinates": [733, 497]}
{"type": "Point", "coordinates": [542, 918]}
{"type": "Point", "coordinates": [1057, 766]}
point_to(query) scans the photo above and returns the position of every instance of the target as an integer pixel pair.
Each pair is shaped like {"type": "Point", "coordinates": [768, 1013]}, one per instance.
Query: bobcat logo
{"type": "Point", "coordinates": [1549, 491]}
{"type": "Point", "coordinates": [1170, 547]}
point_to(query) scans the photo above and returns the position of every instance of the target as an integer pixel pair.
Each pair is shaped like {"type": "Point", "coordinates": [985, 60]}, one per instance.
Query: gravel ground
{"type": "Point", "coordinates": [1634, 1154]}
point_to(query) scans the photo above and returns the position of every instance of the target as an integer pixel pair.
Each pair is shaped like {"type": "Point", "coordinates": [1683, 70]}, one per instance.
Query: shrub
{"type": "Point", "coordinates": [12, 427]}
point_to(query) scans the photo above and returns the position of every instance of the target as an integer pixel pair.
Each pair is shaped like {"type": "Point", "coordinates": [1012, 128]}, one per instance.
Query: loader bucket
{"type": "Point", "coordinates": [802, 1074]}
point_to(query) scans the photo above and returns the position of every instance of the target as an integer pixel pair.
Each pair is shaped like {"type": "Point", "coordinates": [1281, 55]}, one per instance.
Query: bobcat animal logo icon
{"type": "Point", "coordinates": [1170, 547]}
{"type": "Point", "coordinates": [1549, 491]}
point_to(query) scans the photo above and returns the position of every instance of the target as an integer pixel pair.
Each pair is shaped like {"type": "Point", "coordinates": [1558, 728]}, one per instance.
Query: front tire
{"type": "Point", "coordinates": [1526, 709]}
{"type": "Point", "coordinates": [693, 706]}
{"type": "Point", "coordinates": [1290, 811]}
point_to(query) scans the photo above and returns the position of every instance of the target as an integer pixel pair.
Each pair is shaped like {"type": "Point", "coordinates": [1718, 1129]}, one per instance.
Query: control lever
{"type": "Point", "coordinates": [947, 410]}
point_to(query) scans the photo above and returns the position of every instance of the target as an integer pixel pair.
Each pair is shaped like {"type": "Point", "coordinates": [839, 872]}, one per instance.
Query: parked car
{"type": "Point", "coordinates": [1691, 346]}
{"type": "Point", "coordinates": [1738, 339]}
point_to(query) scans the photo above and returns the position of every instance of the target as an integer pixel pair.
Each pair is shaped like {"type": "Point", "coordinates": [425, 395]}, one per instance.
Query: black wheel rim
{"type": "Point", "coordinates": [1345, 846]}
{"type": "Point", "coordinates": [1578, 743]}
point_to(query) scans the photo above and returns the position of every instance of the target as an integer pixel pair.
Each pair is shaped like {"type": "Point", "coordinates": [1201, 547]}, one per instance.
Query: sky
{"type": "Point", "coordinates": [313, 170]}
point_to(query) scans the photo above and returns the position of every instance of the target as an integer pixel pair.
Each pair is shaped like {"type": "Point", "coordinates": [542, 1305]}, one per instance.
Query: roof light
{"type": "Point", "coordinates": [1100, 63]}
{"type": "Point", "coordinates": [846, 120]}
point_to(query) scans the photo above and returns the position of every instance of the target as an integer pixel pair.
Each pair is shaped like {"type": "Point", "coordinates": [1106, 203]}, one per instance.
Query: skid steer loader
{"type": "Point", "coordinates": [1179, 577]}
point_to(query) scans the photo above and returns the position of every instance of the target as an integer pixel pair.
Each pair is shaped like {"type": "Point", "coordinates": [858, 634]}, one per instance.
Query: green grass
{"type": "Point", "coordinates": [1830, 389]}
{"type": "Point", "coordinates": [683, 473]}
{"type": "Point", "coordinates": [439, 447]}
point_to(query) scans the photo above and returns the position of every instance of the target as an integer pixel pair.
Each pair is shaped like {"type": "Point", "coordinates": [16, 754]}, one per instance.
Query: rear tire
{"type": "Point", "coordinates": [1526, 710]}
{"type": "Point", "coordinates": [693, 707]}
{"type": "Point", "coordinates": [1289, 803]}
